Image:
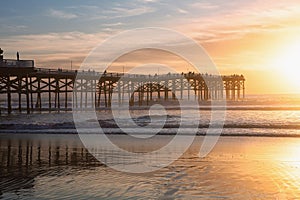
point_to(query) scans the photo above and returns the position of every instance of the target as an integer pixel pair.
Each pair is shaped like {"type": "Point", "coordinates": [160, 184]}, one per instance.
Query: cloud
{"type": "Point", "coordinates": [116, 11]}
{"type": "Point", "coordinates": [87, 7]}
{"type": "Point", "coordinates": [204, 6]}
{"type": "Point", "coordinates": [122, 12]}
{"type": "Point", "coordinates": [61, 14]}
{"type": "Point", "coordinates": [57, 49]}
{"type": "Point", "coordinates": [147, 1]}
{"type": "Point", "coordinates": [238, 20]}
{"type": "Point", "coordinates": [182, 11]}
{"type": "Point", "coordinates": [150, 0]}
{"type": "Point", "coordinates": [13, 28]}
{"type": "Point", "coordinates": [113, 24]}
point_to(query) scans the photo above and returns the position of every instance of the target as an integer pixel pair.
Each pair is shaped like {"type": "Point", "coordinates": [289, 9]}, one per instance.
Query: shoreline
{"type": "Point", "coordinates": [238, 107]}
{"type": "Point", "coordinates": [74, 132]}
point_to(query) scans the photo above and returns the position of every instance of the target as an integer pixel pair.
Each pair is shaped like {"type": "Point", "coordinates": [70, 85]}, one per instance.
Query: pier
{"type": "Point", "coordinates": [26, 88]}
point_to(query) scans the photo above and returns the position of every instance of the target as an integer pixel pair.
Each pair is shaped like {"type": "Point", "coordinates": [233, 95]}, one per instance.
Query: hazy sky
{"type": "Point", "coordinates": [249, 37]}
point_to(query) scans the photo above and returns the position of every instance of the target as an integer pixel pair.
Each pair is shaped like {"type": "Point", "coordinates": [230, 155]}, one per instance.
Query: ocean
{"type": "Point", "coordinates": [257, 115]}
{"type": "Point", "coordinates": [257, 156]}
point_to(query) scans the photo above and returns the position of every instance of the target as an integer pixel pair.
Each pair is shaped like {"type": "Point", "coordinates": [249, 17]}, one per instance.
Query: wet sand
{"type": "Point", "coordinates": [58, 166]}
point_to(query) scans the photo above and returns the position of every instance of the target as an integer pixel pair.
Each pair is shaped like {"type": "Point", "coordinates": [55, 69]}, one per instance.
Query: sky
{"type": "Point", "coordinates": [258, 38]}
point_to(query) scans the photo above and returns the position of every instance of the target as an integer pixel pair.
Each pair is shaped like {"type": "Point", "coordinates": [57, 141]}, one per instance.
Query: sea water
{"type": "Point", "coordinates": [42, 157]}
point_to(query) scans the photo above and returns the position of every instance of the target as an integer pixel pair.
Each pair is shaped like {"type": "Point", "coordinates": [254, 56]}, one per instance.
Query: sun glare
{"type": "Point", "coordinates": [287, 63]}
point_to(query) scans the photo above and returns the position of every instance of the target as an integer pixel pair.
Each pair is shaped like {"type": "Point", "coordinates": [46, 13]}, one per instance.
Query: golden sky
{"type": "Point", "coordinates": [260, 39]}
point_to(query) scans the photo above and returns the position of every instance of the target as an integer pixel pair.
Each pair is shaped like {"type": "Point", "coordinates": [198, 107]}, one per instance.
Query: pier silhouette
{"type": "Point", "coordinates": [24, 87]}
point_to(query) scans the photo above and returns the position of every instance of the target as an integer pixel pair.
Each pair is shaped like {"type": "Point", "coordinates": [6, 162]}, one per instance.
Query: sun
{"type": "Point", "coordinates": [287, 63]}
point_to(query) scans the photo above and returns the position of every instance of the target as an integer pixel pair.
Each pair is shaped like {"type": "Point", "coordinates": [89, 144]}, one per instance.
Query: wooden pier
{"type": "Point", "coordinates": [24, 87]}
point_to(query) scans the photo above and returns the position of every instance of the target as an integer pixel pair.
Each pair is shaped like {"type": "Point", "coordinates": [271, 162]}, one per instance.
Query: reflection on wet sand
{"type": "Point", "coordinates": [23, 159]}
{"type": "Point", "coordinates": [42, 166]}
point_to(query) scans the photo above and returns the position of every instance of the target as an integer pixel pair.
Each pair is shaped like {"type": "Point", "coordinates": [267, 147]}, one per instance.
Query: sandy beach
{"type": "Point", "coordinates": [237, 168]}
